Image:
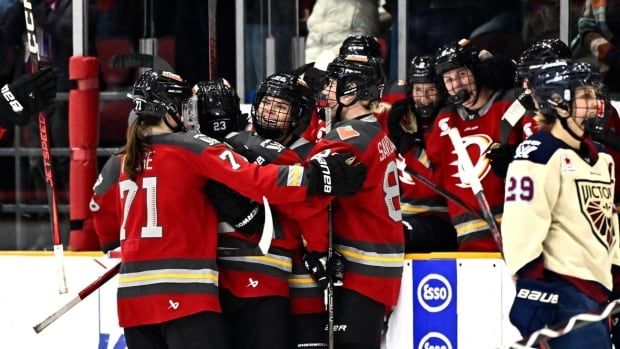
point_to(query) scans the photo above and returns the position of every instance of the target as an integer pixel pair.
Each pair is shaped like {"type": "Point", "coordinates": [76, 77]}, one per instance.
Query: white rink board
{"type": "Point", "coordinates": [30, 294]}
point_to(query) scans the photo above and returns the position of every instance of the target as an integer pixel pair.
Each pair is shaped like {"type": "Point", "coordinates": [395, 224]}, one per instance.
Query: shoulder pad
{"type": "Point", "coordinates": [355, 132]}
{"type": "Point", "coordinates": [109, 175]}
{"type": "Point", "coordinates": [194, 142]}
{"type": "Point", "coordinates": [539, 148]}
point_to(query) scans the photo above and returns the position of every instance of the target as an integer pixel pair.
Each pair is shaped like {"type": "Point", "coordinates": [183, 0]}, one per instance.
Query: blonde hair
{"type": "Point", "coordinates": [544, 123]}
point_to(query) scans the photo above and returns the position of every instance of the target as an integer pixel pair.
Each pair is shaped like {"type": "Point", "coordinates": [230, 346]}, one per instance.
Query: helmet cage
{"type": "Point", "coordinates": [299, 97]}
{"type": "Point", "coordinates": [360, 76]}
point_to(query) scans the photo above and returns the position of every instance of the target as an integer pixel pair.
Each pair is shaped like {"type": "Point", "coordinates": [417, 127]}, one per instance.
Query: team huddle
{"type": "Point", "coordinates": [348, 173]}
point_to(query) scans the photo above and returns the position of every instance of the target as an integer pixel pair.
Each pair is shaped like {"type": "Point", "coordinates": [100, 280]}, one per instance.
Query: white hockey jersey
{"type": "Point", "coordinates": [560, 207]}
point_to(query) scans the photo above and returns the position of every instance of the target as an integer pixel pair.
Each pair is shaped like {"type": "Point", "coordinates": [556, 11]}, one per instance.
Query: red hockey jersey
{"type": "Point", "coordinates": [168, 226]}
{"type": "Point", "coordinates": [367, 226]}
{"type": "Point", "coordinates": [478, 131]}
{"type": "Point", "coordinates": [257, 276]}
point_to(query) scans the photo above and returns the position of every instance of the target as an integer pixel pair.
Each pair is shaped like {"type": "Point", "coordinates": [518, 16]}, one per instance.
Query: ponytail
{"type": "Point", "coordinates": [136, 145]}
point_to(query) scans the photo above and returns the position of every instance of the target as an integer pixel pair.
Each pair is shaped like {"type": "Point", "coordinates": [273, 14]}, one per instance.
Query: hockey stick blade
{"type": "Point", "coordinates": [511, 116]}
{"type": "Point", "coordinates": [77, 299]}
{"type": "Point", "coordinates": [139, 60]}
{"type": "Point", "coordinates": [263, 244]}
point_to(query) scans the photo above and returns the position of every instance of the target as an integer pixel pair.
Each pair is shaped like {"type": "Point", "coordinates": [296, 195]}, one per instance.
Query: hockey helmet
{"type": "Point", "coordinates": [361, 76]}
{"type": "Point", "coordinates": [218, 108]}
{"type": "Point", "coordinates": [363, 45]}
{"type": "Point", "coordinates": [459, 54]}
{"type": "Point", "coordinates": [158, 93]}
{"type": "Point", "coordinates": [541, 52]}
{"type": "Point", "coordinates": [269, 116]}
{"type": "Point", "coordinates": [422, 71]}
{"type": "Point", "coordinates": [554, 84]}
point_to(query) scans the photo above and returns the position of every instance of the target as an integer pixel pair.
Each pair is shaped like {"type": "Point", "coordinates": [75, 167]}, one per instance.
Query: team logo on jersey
{"type": "Point", "coordinates": [567, 164]}
{"type": "Point", "coordinates": [596, 203]}
{"type": "Point", "coordinates": [347, 132]}
{"type": "Point", "coordinates": [475, 146]}
{"type": "Point", "coordinates": [525, 148]}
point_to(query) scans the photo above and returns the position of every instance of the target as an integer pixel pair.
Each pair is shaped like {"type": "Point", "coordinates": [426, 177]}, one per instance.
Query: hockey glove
{"type": "Point", "coordinates": [336, 174]}
{"type": "Point", "coordinates": [496, 72]}
{"type": "Point", "coordinates": [245, 215]}
{"type": "Point", "coordinates": [501, 156]}
{"type": "Point", "coordinates": [402, 140]}
{"type": "Point", "coordinates": [26, 96]}
{"type": "Point", "coordinates": [323, 269]}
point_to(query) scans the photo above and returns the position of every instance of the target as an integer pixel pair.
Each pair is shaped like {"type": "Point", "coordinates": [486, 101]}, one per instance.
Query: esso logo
{"type": "Point", "coordinates": [435, 340]}
{"type": "Point", "coordinates": [434, 293]}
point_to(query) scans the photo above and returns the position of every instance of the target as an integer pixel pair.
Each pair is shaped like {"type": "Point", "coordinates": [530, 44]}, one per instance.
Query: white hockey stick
{"type": "Point", "coordinates": [466, 168]}
{"type": "Point", "coordinates": [263, 244]}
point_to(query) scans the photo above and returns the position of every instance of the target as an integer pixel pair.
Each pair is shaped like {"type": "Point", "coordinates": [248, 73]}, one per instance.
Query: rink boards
{"type": "Point", "coordinates": [458, 300]}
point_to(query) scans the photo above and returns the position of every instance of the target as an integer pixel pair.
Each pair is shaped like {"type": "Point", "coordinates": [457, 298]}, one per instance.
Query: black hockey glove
{"type": "Point", "coordinates": [501, 156]}
{"type": "Point", "coordinates": [497, 72]}
{"type": "Point", "coordinates": [323, 269]}
{"type": "Point", "coordinates": [401, 139]}
{"type": "Point", "coordinates": [336, 174]}
{"type": "Point", "coordinates": [244, 214]}
{"type": "Point", "coordinates": [26, 96]}
{"type": "Point", "coordinates": [245, 151]}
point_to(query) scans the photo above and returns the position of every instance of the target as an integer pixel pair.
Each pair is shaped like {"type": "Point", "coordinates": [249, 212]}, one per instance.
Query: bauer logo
{"type": "Point", "coordinates": [434, 304]}
{"type": "Point", "coordinates": [435, 340]}
{"type": "Point", "coordinates": [434, 293]}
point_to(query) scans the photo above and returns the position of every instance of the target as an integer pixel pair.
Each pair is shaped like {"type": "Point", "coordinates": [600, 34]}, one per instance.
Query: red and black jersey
{"type": "Point", "coordinates": [367, 225]}
{"type": "Point", "coordinates": [104, 204]}
{"type": "Point", "coordinates": [478, 130]}
{"type": "Point", "coordinates": [251, 276]}
{"type": "Point", "coordinates": [168, 226]}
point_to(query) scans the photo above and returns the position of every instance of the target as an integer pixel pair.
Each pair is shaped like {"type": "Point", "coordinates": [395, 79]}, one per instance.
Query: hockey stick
{"type": "Point", "coordinates": [81, 295]}
{"type": "Point", "coordinates": [46, 151]}
{"type": "Point", "coordinates": [212, 7]}
{"type": "Point", "coordinates": [139, 60]}
{"type": "Point", "coordinates": [467, 168]}
{"type": "Point", "coordinates": [263, 244]}
{"type": "Point", "coordinates": [574, 323]}
{"type": "Point", "coordinates": [443, 192]}
{"type": "Point", "coordinates": [330, 253]}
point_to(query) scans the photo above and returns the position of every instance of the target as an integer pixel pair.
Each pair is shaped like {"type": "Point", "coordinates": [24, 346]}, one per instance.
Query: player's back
{"type": "Point", "coordinates": [168, 236]}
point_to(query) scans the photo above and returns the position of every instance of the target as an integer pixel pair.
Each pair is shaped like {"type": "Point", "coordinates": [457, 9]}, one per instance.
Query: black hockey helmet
{"type": "Point", "coordinates": [157, 93]}
{"type": "Point", "coordinates": [456, 55]}
{"type": "Point", "coordinates": [553, 85]}
{"type": "Point", "coordinates": [218, 108]}
{"type": "Point", "coordinates": [362, 76]}
{"type": "Point", "coordinates": [292, 90]}
{"type": "Point", "coordinates": [421, 70]}
{"type": "Point", "coordinates": [363, 45]}
{"type": "Point", "coordinates": [541, 52]}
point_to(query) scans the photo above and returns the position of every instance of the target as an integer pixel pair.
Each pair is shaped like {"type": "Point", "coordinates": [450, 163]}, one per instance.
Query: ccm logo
{"type": "Point", "coordinates": [537, 296]}
{"type": "Point", "coordinates": [8, 95]}
{"type": "Point", "coordinates": [434, 293]}
{"type": "Point", "coordinates": [435, 340]}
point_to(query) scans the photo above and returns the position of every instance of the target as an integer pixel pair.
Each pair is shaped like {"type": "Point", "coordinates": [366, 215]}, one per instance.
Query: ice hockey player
{"type": "Point", "coordinates": [369, 237]}
{"type": "Point", "coordinates": [559, 230]}
{"type": "Point", "coordinates": [166, 221]}
{"type": "Point", "coordinates": [475, 111]}
{"type": "Point", "coordinates": [413, 106]}
{"type": "Point", "coordinates": [541, 52]}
